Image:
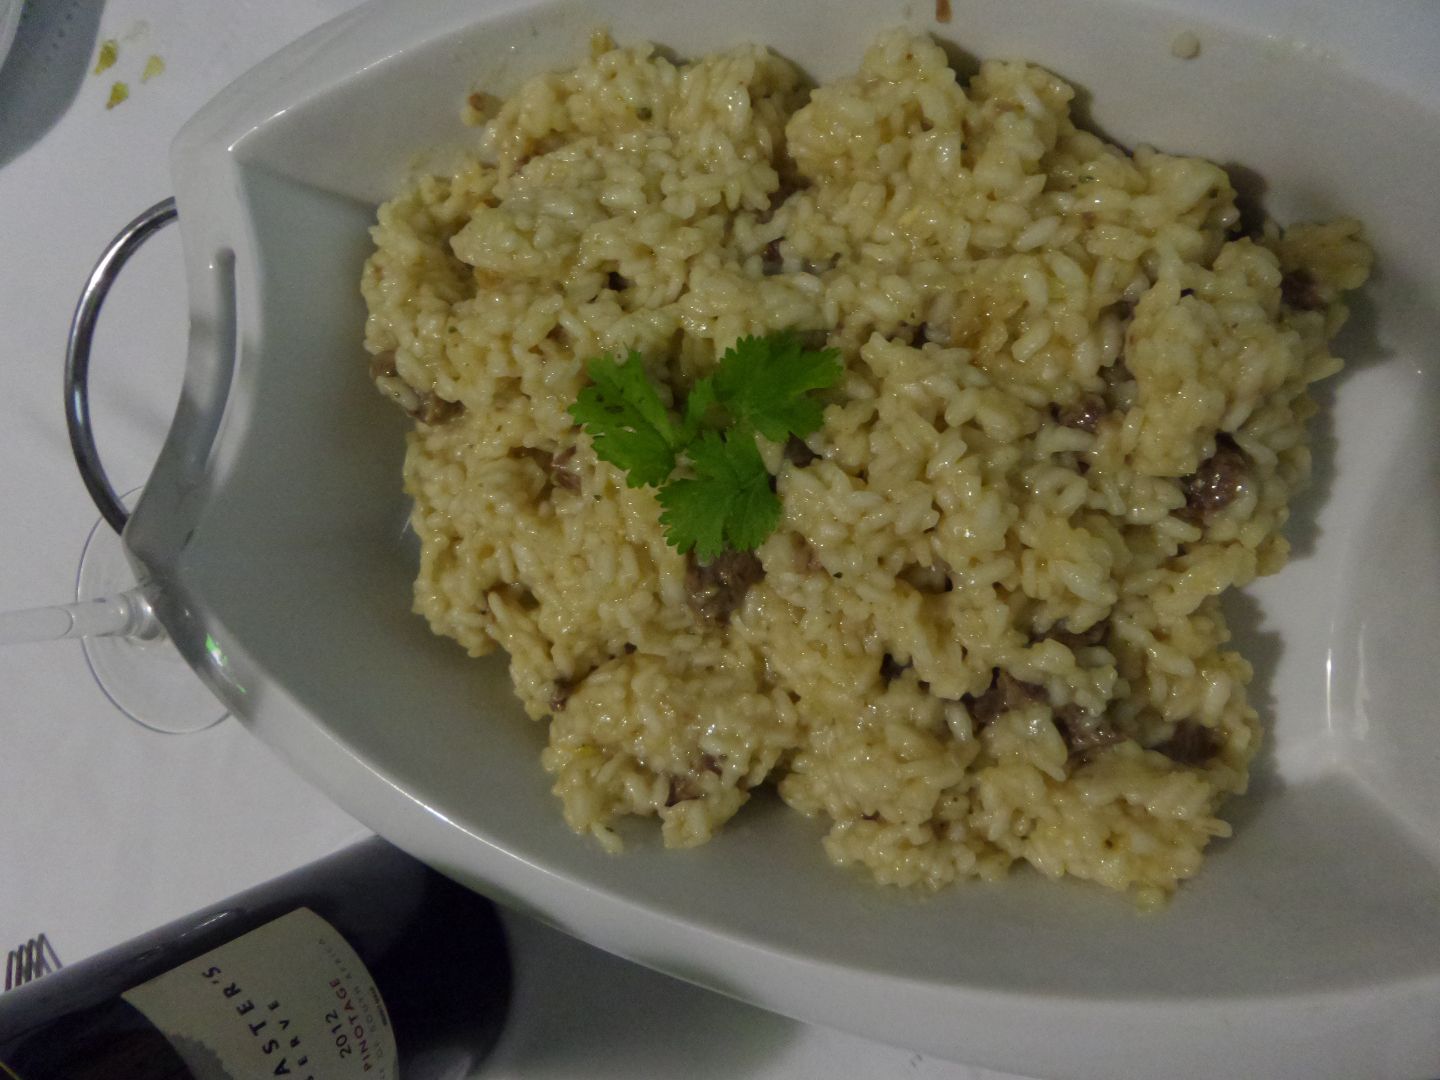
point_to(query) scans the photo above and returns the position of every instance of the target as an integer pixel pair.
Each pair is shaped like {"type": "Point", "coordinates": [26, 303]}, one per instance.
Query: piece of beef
{"type": "Point", "coordinates": [715, 589]}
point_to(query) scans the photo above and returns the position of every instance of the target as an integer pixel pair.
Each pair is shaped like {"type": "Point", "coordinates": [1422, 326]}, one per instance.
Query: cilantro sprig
{"type": "Point", "coordinates": [727, 503]}
{"type": "Point", "coordinates": [628, 422]}
{"type": "Point", "coordinates": [712, 485]}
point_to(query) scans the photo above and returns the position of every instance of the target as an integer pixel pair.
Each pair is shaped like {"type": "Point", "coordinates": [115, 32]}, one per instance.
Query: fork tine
{"type": "Point", "coordinates": [29, 961]}
{"type": "Point", "coordinates": [48, 956]}
{"type": "Point", "coordinates": [15, 967]}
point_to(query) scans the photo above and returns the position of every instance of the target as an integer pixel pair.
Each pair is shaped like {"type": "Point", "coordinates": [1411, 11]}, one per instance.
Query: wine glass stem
{"type": "Point", "coordinates": [126, 614]}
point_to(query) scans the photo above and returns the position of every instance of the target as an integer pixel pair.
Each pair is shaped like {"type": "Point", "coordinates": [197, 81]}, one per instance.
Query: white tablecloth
{"type": "Point", "coordinates": [105, 829]}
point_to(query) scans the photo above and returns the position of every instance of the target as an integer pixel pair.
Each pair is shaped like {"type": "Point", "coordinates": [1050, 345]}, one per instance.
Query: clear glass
{"type": "Point", "coordinates": [136, 665]}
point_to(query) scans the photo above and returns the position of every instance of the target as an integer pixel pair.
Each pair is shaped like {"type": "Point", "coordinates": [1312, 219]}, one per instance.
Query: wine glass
{"type": "Point", "coordinates": [136, 665]}
{"type": "Point", "coordinates": [133, 661]}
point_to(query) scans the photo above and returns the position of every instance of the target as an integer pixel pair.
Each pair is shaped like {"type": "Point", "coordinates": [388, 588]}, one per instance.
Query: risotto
{"type": "Point", "coordinates": [987, 627]}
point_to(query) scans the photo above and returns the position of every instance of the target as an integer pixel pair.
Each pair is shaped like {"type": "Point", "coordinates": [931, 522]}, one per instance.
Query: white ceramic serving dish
{"type": "Point", "coordinates": [274, 524]}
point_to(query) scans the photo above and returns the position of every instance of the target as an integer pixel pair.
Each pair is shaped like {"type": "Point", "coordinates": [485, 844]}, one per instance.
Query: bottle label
{"type": "Point", "coordinates": [288, 999]}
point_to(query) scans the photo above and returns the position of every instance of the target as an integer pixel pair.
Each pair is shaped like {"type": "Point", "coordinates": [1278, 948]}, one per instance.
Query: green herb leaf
{"type": "Point", "coordinates": [627, 421]}
{"type": "Point", "coordinates": [760, 385]}
{"type": "Point", "coordinates": [728, 503]}
{"type": "Point", "coordinates": [698, 407]}
{"type": "Point", "coordinates": [766, 382]}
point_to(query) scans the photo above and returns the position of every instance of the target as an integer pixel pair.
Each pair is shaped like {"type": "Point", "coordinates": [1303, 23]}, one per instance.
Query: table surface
{"type": "Point", "coordinates": [109, 829]}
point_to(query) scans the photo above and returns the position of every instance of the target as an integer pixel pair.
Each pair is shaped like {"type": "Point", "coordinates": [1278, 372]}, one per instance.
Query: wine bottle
{"type": "Point", "coordinates": [367, 963]}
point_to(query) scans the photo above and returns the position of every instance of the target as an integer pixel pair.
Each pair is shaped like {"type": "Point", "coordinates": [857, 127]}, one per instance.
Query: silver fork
{"type": "Point", "coordinates": [30, 961]}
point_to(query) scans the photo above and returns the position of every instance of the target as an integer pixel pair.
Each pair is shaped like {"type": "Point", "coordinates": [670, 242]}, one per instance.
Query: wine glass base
{"type": "Point", "coordinates": [147, 680]}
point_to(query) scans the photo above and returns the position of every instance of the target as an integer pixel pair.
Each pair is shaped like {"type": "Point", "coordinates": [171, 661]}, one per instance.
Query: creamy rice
{"type": "Point", "coordinates": [988, 627]}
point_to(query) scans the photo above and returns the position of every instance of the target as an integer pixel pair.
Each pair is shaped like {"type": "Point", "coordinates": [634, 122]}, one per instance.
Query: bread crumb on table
{"type": "Point", "coordinates": [1185, 46]}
